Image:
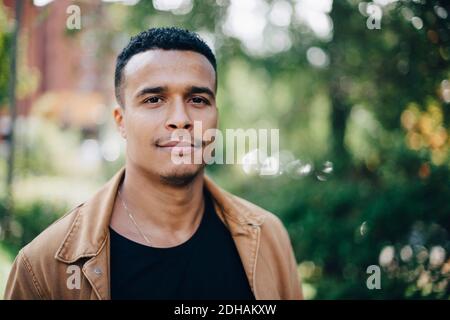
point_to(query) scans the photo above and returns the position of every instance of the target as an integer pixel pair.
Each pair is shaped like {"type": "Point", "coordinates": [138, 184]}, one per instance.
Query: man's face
{"type": "Point", "coordinates": [164, 91]}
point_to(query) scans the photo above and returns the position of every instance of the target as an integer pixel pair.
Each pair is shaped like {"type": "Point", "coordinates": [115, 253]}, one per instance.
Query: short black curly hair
{"type": "Point", "coordinates": [166, 38]}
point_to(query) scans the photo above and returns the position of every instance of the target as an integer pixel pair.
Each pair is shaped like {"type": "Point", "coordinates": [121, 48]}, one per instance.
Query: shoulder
{"type": "Point", "coordinates": [243, 210]}
{"type": "Point", "coordinates": [271, 225]}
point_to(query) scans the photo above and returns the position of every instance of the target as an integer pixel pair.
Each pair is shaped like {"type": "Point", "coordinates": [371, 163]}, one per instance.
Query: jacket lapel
{"type": "Point", "coordinates": [88, 237]}
{"type": "Point", "coordinates": [96, 270]}
{"type": "Point", "coordinates": [244, 227]}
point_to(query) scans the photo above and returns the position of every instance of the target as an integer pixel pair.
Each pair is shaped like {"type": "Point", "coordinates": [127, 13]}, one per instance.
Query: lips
{"type": "Point", "coordinates": [175, 143]}
{"type": "Point", "coordinates": [177, 147]}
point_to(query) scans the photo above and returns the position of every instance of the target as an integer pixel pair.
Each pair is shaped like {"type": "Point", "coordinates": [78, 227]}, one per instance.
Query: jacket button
{"type": "Point", "coordinates": [98, 271]}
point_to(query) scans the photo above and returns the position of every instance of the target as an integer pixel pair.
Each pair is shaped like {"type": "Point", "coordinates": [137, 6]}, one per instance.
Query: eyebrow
{"type": "Point", "coordinates": [206, 90]}
{"type": "Point", "coordinates": [162, 89]}
{"type": "Point", "coordinates": [148, 90]}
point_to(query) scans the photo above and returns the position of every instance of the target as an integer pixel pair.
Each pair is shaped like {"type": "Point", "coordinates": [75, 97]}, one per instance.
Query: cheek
{"type": "Point", "coordinates": [140, 128]}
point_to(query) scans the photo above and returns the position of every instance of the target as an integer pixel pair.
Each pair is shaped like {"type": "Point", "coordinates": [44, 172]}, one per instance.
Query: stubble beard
{"type": "Point", "coordinates": [181, 179]}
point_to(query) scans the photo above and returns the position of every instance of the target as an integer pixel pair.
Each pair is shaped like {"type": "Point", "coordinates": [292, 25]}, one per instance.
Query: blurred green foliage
{"type": "Point", "coordinates": [29, 220]}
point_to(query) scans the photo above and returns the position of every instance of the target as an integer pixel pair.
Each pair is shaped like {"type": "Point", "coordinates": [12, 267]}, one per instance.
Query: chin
{"type": "Point", "coordinates": [181, 175]}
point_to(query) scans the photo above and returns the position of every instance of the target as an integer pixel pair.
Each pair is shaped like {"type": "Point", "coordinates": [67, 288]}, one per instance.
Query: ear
{"type": "Point", "coordinates": [119, 115]}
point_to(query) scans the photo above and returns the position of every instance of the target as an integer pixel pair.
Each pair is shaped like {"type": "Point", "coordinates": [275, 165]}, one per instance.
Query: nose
{"type": "Point", "coordinates": [178, 118]}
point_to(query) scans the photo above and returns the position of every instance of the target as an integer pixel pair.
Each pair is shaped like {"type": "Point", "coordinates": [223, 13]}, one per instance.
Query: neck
{"type": "Point", "coordinates": [167, 207]}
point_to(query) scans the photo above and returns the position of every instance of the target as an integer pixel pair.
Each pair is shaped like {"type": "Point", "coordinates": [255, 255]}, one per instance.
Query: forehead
{"type": "Point", "coordinates": [168, 67]}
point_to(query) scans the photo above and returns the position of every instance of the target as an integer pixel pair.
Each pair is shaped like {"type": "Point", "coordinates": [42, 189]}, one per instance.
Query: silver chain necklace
{"type": "Point", "coordinates": [130, 215]}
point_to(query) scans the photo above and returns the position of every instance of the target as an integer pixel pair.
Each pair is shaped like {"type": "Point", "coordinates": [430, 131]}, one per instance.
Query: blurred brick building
{"type": "Point", "coordinates": [72, 74]}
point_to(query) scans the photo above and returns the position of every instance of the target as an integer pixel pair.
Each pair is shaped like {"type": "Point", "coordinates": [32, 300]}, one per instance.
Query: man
{"type": "Point", "coordinates": [159, 229]}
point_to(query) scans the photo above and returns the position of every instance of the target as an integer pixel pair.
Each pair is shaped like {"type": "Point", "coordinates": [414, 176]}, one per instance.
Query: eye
{"type": "Point", "coordinates": [200, 100]}
{"type": "Point", "coordinates": [154, 99]}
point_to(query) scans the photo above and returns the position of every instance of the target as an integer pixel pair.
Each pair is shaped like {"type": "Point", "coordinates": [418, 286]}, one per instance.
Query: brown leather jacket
{"type": "Point", "coordinates": [70, 259]}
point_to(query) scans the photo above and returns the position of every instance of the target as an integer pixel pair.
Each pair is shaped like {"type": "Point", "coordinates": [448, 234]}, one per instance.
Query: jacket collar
{"type": "Point", "coordinates": [89, 231]}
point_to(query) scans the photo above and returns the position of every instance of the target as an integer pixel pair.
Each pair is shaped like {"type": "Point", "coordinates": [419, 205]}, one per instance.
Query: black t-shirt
{"type": "Point", "coordinates": [207, 266]}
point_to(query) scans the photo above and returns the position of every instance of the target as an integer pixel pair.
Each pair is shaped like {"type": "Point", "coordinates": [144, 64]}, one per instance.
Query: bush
{"type": "Point", "coordinates": [27, 221]}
